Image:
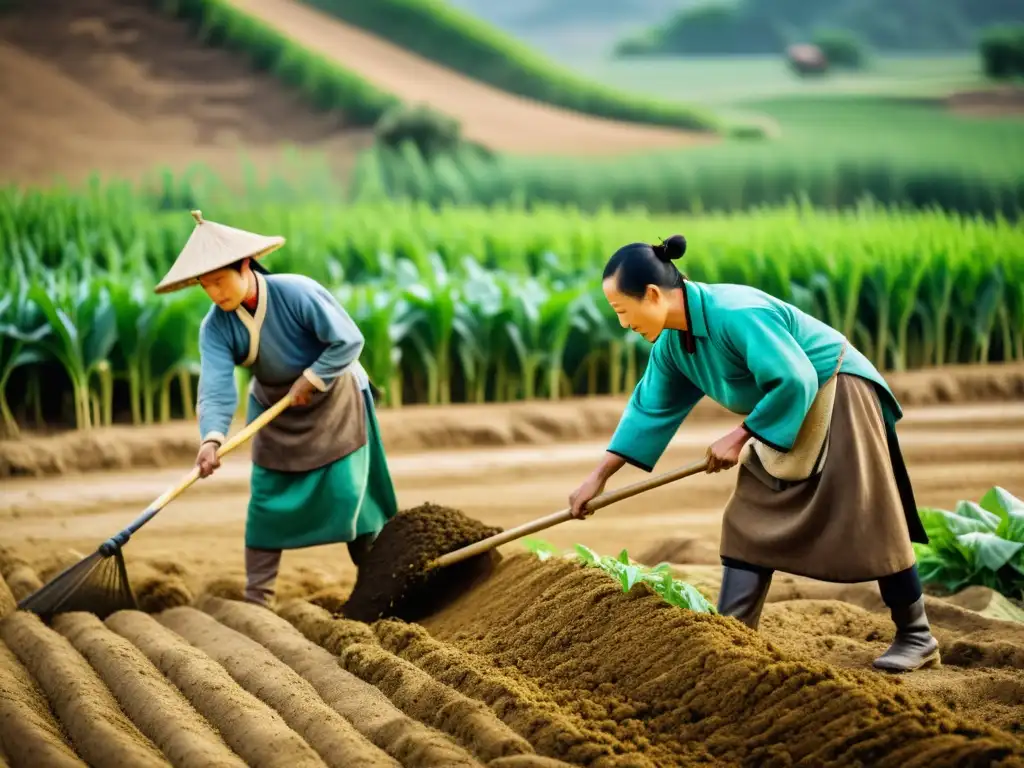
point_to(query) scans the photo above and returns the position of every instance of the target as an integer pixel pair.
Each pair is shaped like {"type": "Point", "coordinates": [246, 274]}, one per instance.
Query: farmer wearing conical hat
{"type": "Point", "coordinates": [319, 473]}
{"type": "Point", "coordinates": [822, 489]}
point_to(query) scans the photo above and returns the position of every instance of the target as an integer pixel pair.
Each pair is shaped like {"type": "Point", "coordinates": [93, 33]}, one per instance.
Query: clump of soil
{"type": "Point", "coordinates": [681, 687]}
{"type": "Point", "coordinates": [157, 593]}
{"type": "Point", "coordinates": [394, 581]}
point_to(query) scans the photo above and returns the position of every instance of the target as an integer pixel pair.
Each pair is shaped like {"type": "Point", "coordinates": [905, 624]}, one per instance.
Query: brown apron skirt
{"type": "Point", "coordinates": [307, 437]}
{"type": "Point", "coordinates": [846, 524]}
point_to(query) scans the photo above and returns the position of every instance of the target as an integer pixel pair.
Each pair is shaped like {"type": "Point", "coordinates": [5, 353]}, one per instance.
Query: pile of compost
{"type": "Point", "coordinates": [394, 580]}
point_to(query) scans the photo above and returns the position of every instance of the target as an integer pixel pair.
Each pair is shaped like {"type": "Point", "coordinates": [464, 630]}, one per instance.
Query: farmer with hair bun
{"type": "Point", "coordinates": [319, 472]}
{"type": "Point", "coordinates": [822, 489]}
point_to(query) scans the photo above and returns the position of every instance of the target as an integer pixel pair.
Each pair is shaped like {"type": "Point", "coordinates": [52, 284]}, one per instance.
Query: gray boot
{"type": "Point", "coordinates": [742, 594]}
{"type": "Point", "coordinates": [914, 646]}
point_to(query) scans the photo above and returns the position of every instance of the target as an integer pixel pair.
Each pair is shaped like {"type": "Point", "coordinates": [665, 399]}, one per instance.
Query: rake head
{"type": "Point", "coordinates": [97, 584]}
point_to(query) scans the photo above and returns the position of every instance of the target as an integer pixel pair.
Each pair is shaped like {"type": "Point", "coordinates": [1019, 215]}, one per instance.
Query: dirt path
{"type": "Point", "coordinates": [497, 119]}
{"type": "Point", "coordinates": [953, 453]}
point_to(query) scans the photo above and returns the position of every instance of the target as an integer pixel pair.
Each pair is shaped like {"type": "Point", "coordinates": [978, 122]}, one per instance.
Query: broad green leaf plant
{"type": "Point", "coordinates": [975, 544]}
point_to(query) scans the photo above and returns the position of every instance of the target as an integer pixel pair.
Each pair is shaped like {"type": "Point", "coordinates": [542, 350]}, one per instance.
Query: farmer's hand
{"type": "Point", "coordinates": [592, 486]}
{"type": "Point", "coordinates": [207, 460]}
{"type": "Point", "coordinates": [725, 451]}
{"type": "Point", "coordinates": [301, 391]}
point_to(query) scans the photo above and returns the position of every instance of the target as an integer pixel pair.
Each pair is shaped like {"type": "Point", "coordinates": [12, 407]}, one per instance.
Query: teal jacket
{"type": "Point", "coordinates": [748, 351]}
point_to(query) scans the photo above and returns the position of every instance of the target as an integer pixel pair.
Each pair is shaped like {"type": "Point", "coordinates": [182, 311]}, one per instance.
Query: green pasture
{"type": "Point", "coordinates": [731, 80]}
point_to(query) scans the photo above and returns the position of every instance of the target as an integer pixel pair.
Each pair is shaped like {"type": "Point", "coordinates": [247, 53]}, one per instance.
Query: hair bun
{"type": "Point", "coordinates": [671, 249]}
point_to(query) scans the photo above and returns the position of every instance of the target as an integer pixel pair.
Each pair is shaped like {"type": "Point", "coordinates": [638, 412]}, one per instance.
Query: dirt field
{"type": "Point", "coordinates": [1005, 101]}
{"type": "Point", "coordinates": [494, 679]}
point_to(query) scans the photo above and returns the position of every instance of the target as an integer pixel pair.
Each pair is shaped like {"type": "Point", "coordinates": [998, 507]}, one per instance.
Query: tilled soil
{"type": "Point", "coordinates": [543, 664]}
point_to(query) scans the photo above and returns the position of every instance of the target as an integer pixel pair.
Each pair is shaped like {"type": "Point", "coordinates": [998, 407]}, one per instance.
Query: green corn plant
{"type": "Point", "coordinates": [132, 306]}
{"type": "Point", "coordinates": [482, 320]}
{"type": "Point", "coordinates": [608, 344]}
{"type": "Point", "coordinates": [21, 331]}
{"type": "Point", "coordinates": [385, 320]}
{"type": "Point", "coordinates": [433, 327]}
{"type": "Point", "coordinates": [83, 332]}
{"type": "Point", "coordinates": [168, 335]}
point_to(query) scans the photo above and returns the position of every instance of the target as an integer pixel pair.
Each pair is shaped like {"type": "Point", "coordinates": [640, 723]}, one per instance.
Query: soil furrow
{"type": "Point", "coordinates": [317, 625]}
{"type": "Point", "coordinates": [698, 685]}
{"type": "Point", "coordinates": [255, 732]}
{"type": "Point", "coordinates": [29, 733]}
{"type": "Point", "coordinates": [258, 671]}
{"type": "Point", "coordinates": [99, 730]}
{"type": "Point", "coordinates": [151, 701]}
{"type": "Point", "coordinates": [419, 695]}
{"type": "Point", "coordinates": [519, 702]}
{"type": "Point", "coordinates": [410, 742]}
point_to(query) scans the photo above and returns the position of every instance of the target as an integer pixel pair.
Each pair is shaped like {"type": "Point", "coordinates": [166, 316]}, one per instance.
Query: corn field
{"type": "Point", "coordinates": [472, 305]}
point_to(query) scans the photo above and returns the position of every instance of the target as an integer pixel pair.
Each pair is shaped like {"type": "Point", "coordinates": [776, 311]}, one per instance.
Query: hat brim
{"type": "Point", "coordinates": [170, 284]}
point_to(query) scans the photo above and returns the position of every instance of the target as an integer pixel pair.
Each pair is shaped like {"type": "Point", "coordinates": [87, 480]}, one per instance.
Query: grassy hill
{"type": "Point", "coordinates": [442, 33]}
{"type": "Point", "coordinates": [767, 26]}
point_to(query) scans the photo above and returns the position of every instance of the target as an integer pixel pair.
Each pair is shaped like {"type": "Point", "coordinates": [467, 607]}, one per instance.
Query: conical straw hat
{"type": "Point", "coordinates": [213, 246]}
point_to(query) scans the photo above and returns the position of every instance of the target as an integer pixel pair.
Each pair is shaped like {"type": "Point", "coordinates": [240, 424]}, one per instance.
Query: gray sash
{"type": "Point", "coordinates": [307, 437]}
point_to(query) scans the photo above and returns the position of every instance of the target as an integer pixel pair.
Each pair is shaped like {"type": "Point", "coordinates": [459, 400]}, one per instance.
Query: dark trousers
{"type": "Point", "coordinates": [261, 567]}
{"type": "Point", "coordinates": [899, 589]}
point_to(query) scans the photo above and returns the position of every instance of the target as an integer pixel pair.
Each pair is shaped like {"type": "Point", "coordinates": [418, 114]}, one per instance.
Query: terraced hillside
{"type": "Point", "coordinates": [111, 86]}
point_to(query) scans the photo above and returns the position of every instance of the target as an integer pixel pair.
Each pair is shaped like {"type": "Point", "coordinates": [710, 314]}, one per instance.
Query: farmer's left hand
{"type": "Point", "coordinates": [725, 451]}
{"type": "Point", "coordinates": [301, 391]}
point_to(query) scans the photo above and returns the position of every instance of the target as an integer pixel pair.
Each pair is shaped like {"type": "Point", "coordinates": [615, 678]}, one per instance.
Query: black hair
{"type": "Point", "coordinates": [638, 265]}
{"type": "Point", "coordinates": [254, 265]}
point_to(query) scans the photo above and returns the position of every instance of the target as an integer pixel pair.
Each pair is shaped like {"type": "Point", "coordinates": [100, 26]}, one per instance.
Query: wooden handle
{"type": "Point", "coordinates": [241, 437]}
{"type": "Point", "coordinates": [596, 503]}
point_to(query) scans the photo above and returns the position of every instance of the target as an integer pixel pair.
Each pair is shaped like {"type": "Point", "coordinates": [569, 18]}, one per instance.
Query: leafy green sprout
{"type": "Point", "coordinates": [629, 573]}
